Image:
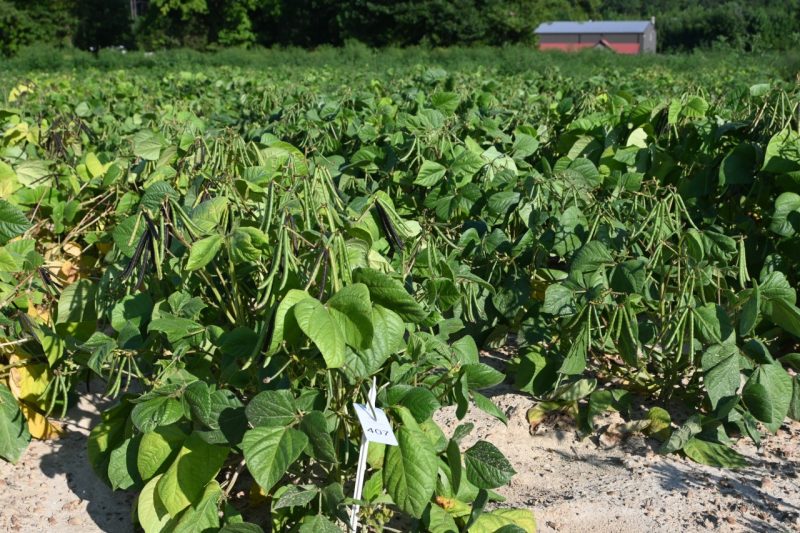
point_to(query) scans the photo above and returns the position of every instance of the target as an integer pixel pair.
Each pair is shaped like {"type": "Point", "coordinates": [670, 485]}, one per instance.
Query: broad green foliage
{"type": "Point", "coordinates": [14, 435]}
{"type": "Point", "coordinates": [240, 254]}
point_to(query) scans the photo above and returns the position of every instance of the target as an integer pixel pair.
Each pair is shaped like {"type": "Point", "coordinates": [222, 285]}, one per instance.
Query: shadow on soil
{"type": "Point", "coordinates": [752, 507]}
{"type": "Point", "coordinates": [109, 510]}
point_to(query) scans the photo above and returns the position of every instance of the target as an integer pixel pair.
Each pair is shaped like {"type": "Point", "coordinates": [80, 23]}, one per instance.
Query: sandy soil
{"type": "Point", "coordinates": [54, 488]}
{"type": "Point", "coordinates": [606, 485]}
{"type": "Point", "coordinates": [572, 485]}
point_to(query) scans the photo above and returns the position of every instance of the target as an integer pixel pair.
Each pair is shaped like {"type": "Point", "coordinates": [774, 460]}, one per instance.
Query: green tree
{"type": "Point", "coordinates": [103, 23]}
{"type": "Point", "coordinates": [15, 29]}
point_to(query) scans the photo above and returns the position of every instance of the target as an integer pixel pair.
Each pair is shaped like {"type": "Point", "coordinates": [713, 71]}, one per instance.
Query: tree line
{"type": "Point", "coordinates": [683, 25]}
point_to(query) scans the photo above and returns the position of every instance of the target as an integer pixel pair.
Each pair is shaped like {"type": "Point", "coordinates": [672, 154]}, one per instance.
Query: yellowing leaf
{"type": "Point", "coordinates": [27, 381]}
{"type": "Point", "coordinates": [8, 180]}
{"type": "Point", "coordinates": [18, 91]}
{"type": "Point", "coordinates": [94, 166]}
{"type": "Point", "coordinates": [41, 316]}
{"type": "Point", "coordinates": [72, 249]}
{"type": "Point", "coordinates": [38, 424]}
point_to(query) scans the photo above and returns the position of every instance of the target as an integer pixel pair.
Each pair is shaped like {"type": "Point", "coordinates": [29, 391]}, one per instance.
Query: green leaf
{"type": "Point", "coordinates": [158, 449]}
{"type": "Point", "coordinates": [270, 451]}
{"type": "Point", "coordinates": [8, 180]}
{"type": "Point", "coordinates": [791, 360]}
{"type": "Point", "coordinates": [488, 406]}
{"type": "Point", "coordinates": [420, 402]}
{"type": "Point", "coordinates": [454, 462]}
{"type": "Point", "coordinates": [13, 222]}
{"type": "Point", "coordinates": [721, 372]}
{"type": "Point", "coordinates": [122, 471]}
{"type": "Point", "coordinates": [132, 309]}
{"type": "Point", "coordinates": [695, 107]}
{"type": "Point", "coordinates": [203, 252]}
{"type": "Point", "coordinates": [559, 300]}
{"type": "Point", "coordinates": [155, 195]}
{"type": "Point", "coordinates": [410, 468]}
{"type": "Point", "coordinates": [786, 216]}
{"type": "Point", "coordinates": [153, 515]}
{"type": "Point", "coordinates": [208, 214]}
{"type": "Point", "coordinates": [220, 411]}
{"type": "Point", "coordinates": [391, 294]}
{"type": "Point", "coordinates": [437, 520]}
{"type": "Point", "coordinates": [430, 173]}
{"type": "Point", "coordinates": [590, 257]}
{"type": "Point", "coordinates": [678, 439]}
{"type": "Point", "coordinates": [319, 326]}
{"type": "Point", "coordinates": [318, 524]}
{"type": "Point", "coordinates": [787, 316]}
{"type": "Point", "coordinates": [175, 328]}
{"type": "Point", "coordinates": [500, 518]}
{"type": "Point", "coordinates": [159, 411]}
{"type": "Point", "coordinates": [321, 446]}
{"type": "Point", "coordinates": [195, 466]}
{"type": "Point", "coordinates": [524, 145]}
{"type": "Point", "coordinates": [282, 313]}
{"type": "Point", "coordinates": [34, 172]}
{"type": "Point", "coordinates": [481, 376]}
{"type": "Point", "coordinates": [295, 496]}
{"type": "Point", "coordinates": [147, 145]}
{"type": "Point", "coordinates": [783, 153]}
{"type": "Point", "coordinates": [465, 350]}
{"type": "Point", "coordinates": [352, 311]}
{"type": "Point", "coordinates": [774, 287]}
{"type": "Point", "coordinates": [739, 166]}
{"type": "Point", "coordinates": [272, 408]}
{"type": "Point", "coordinates": [202, 515]}
{"type": "Point", "coordinates": [637, 138]}
{"type": "Point", "coordinates": [76, 305]}
{"type": "Point", "coordinates": [248, 244]}
{"type": "Point", "coordinates": [242, 527]}
{"type": "Point", "coordinates": [629, 276]}
{"type": "Point", "coordinates": [486, 466]}
{"type": "Point", "coordinates": [127, 233]}
{"type": "Point", "coordinates": [583, 171]}
{"type": "Point", "coordinates": [8, 263]}
{"type": "Point", "coordinates": [466, 164]}
{"type": "Point", "coordinates": [713, 323]}
{"type": "Point", "coordinates": [500, 203]}
{"type": "Point", "coordinates": [14, 435]}
{"type": "Point", "coordinates": [387, 338]}
{"type": "Point", "coordinates": [447, 102]}
{"type": "Point", "coordinates": [660, 422]}
{"type": "Point", "coordinates": [794, 405]}
{"type": "Point", "coordinates": [575, 359]}
{"type": "Point", "coordinates": [107, 435]}
{"type": "Point", "coordinates": [713, 454]}
{"type": "Point", "coordinates": [750, 312]}
{"type": "Point", "coordinates": [767, 394]}
{"type": "Point", "coordinates": [760, 89]}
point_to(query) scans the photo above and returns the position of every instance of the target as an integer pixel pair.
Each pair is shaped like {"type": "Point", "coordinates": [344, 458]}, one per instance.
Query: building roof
{"type": "Point", "coordinates": [594, 26]}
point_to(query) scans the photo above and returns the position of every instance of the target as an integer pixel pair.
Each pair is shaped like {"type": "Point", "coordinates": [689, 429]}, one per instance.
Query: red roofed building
{"type": "Point", "coordinates": [624, 36]}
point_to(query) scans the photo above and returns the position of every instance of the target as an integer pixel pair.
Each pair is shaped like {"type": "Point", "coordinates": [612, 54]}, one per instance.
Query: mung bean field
{"type": "Point", "coordinates": [235, 248]}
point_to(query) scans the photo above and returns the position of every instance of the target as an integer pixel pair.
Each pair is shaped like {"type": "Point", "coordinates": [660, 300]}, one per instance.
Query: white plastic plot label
{"type": "Point", "coordinates": [375, 424]}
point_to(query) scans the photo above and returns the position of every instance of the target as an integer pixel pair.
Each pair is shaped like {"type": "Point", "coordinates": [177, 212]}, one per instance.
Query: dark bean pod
{"type": "Point", "coordinates": [137, 255]}
{"type": "Point", "coordinates": [48, 280]}
{"type": "Point", "coordinates": [325, 264]}
{"type": "Point", "coordinates": [144, 268]}
{"type": "Point", "coordinates": [388, 228]}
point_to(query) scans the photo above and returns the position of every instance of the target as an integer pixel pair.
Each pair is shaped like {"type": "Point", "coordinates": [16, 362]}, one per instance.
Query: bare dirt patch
{"type": "Point", "coordinates": [53, 488]}
{"type": "Point", "coordinates": [589, 484]}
